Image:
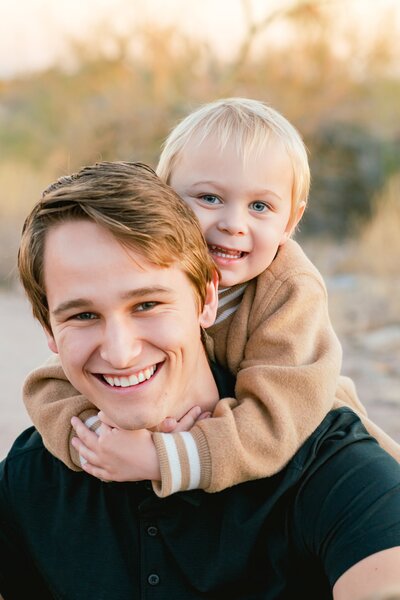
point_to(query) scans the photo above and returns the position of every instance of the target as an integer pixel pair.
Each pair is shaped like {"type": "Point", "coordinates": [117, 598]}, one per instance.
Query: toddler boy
{"type": "Point", "coordinates": [243, 169]}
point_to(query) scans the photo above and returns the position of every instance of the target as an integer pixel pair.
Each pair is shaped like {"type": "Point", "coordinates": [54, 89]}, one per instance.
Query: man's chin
{"type": "Point", "coordinates": [134, 423]}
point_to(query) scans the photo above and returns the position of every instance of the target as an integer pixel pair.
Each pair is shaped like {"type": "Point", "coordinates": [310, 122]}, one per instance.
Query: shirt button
{"type": "Point", "coordinates": [152, 530]}
{"type": "Point", "coordinates": [153, 579]}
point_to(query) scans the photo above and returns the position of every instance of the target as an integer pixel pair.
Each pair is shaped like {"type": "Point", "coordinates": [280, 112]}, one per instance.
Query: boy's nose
{"type": "Point", "coordinates": [120, 346]}
{"type": "Point", "coordinates": [233, 223]}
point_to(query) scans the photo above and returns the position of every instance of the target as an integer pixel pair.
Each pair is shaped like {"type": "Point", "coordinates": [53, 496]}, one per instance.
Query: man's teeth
{"type": "Point", "coordinates": [132, 379]}
{"type": "Point", "coordinates": [225, 252]}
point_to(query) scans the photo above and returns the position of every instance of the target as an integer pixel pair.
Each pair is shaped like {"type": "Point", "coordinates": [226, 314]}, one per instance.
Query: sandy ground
{"type": "Point", "coordinates": [369, 334]}
{"type": "Point", "coordinates": [22, 347]}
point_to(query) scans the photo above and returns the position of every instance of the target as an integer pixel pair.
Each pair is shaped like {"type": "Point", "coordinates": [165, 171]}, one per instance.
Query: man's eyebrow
{"type": "Point", "coordinates": [68, 304]}
{"type": "Point", "coordinates": [145, 291]}
{"type": "Point", "coordinates": [79, 303]}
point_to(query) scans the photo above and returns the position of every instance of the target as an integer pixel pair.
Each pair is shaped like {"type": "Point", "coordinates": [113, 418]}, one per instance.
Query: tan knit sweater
{"type": "Point", "coordinates": [287, 359]}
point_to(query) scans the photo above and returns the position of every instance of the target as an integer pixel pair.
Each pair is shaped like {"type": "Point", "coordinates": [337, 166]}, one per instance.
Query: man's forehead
{"type": "Point", "coordinates": [76, 241]}
{"type": "Point", "coordinates": [83, 260]}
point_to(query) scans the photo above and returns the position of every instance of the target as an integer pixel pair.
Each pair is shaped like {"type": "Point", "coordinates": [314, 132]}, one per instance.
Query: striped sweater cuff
{"type": "Point", "coordinates": [181, 458]}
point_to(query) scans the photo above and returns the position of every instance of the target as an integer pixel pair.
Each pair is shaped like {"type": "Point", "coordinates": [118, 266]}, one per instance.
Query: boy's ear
{"type": "Point", "coordinates": [51, 342]}
{"type": "Point", "coordinates": [293, 221]}
{"type": "Point", "coordinates": [209, 311]}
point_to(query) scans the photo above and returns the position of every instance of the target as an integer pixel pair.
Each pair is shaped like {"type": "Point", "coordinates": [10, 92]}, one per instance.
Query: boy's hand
{"type": "Point", "coordinates": [116, 454]}
{"type": "Point", "coordinates": [171, 425]}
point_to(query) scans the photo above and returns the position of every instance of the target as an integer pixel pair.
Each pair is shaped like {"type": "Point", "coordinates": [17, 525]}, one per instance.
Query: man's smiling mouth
{"type": "Point", "coordinates": [130, 380]}
{"type": "Point", "coordinates": [225, 252]}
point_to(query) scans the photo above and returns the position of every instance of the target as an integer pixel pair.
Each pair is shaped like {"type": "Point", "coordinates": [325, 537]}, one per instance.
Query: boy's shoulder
{"type": "Point", "coordinates": [290, 275]}
{"type": "Point", "coordinates": [291, 259]}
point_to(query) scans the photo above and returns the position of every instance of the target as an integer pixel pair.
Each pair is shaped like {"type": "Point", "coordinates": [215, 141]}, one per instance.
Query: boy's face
{"type": "Point", "coordinates": [127, 331]}
{"type": "Point", "coordinates": [243, 207]}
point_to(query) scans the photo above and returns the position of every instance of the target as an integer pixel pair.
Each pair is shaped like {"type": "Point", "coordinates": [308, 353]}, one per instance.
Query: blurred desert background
{"type": "Point", "coordinates": [107, 79]}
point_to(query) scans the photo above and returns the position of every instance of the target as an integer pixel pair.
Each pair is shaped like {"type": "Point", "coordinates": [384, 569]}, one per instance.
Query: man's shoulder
{"type": "Point", "coordinates": [334, 463]}
{"type": "Point", "coordinates": [27, 442]}
{"type": "Point", "coordinates": [26, 453]}
{"type": "Point", "coordinates": [341, 449]}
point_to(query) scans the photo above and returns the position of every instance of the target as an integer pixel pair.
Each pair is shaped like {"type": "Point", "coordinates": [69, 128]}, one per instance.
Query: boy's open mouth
{"type": "Point", "coordinates": [128, 380]}
{"type": "Point", "coordinates": [225, 252]}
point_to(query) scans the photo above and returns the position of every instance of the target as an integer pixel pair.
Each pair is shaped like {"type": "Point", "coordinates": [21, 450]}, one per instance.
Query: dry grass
{"type": "Point", "coordinates": [21, 185]}
{"type": "Point", "coordinates": [376, 251]}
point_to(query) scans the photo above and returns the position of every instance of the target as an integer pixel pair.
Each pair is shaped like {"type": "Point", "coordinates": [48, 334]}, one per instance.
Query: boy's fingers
{"type": "Point", "coordinates": [188, 420]}
{"type": "Point", "coordinates": [104, 419]}
{"type": "Point", "coordinates": [204, 415]}
{"type": "Point", "coordinates": [84, 452]}
{"type": "Point", "coordinates": [168, 425]}
{"type": "Point", "coordinates": [103, 429]}
{"type": "Point", "coordinates": [89, 438]}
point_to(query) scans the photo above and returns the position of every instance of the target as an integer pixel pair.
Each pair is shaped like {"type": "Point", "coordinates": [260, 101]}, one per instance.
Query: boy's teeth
{"type": "Point", "coordinates": [225, 252]}
{"type": "Point", "coordinates": [132, 379]}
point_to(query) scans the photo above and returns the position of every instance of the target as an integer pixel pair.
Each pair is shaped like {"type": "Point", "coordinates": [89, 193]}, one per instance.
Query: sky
{"type": "Point", "coordinates": [34, 33]}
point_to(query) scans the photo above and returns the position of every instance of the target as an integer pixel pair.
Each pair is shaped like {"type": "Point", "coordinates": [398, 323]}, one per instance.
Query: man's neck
{"type": "Point", "coordinates": [203, 390]}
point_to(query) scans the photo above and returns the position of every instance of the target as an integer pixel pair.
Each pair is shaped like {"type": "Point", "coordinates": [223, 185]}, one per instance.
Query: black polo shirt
{"type": "Point", "coordinates": [68, 535]}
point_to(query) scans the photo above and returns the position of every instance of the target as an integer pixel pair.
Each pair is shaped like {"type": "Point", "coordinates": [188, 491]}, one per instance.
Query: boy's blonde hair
{"type": "Point", "coordinates": [249, 125]}
{"type": "Point", "coordinates": [135, 206]}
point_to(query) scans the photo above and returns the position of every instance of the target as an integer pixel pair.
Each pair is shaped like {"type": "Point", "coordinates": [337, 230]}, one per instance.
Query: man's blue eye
{"type": "Point", "coordinates": [146, 306]}
{"type": "Point", "coordinates": [210, 199]}
{"type": "Point", "coordinates": [85, 316]}
{"type": "Point", "coordinates": [259, 206]}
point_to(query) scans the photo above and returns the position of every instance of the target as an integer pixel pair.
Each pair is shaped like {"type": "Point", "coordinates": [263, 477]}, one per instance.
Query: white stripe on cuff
{"type": "Point", "coordinates": [91, 421]}
{"type": "Point", "coordinates": [194, 460]}
{"type": "Point", "coordinates": [173, 461]}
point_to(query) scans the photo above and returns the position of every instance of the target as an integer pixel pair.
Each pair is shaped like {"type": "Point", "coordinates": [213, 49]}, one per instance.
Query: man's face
{"type": "Point", "coordinates": [127, 331]}
{"type": "Point", "coordinates": [244, 207]}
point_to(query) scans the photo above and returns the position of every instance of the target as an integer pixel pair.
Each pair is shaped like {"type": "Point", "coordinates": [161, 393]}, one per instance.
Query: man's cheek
{"type": "Point", "coordinates": [74, 350]}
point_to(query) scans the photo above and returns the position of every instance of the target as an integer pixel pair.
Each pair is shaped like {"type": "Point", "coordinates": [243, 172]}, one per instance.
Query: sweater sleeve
{"type": "Point", "coordinates": [286, 382]}
{"type": "Point", "coordinates": [51, 402]}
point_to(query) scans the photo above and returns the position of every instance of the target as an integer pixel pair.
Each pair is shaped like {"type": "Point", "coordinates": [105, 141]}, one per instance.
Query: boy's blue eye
{"type": "Point", "coordinates": [259, 207]}
{"type": "Point", "coordinates": [210, 199]}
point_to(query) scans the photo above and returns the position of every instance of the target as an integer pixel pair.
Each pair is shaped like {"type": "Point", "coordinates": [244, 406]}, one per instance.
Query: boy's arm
{"type": "Point", "coordinates": [286, 383]}
{"type": "Point", "coordinates": [51, 402]}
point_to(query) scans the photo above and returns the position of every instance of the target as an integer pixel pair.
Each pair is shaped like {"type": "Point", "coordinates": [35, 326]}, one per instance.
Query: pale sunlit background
{"type": "Point", "coordinates": [83, 80]}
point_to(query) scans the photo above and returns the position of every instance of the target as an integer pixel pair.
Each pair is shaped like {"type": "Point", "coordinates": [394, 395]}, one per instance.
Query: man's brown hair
{"type": "Point", "coordinates": [134, 205]}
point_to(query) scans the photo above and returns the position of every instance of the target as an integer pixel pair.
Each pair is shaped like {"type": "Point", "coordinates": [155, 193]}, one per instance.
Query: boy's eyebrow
{"type": "Point", "coordinates": [255, 192]}
{"type": "Point", "coordinates": [86, 303]}
{"type": "Point", "coordinates": [206, 182]}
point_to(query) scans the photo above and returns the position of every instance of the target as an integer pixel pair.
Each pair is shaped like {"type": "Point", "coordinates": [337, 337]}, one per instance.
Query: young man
{"type": "Point", "coordinates": [122, 293]}
{"type": "Point", "coordinates": [243, 169]}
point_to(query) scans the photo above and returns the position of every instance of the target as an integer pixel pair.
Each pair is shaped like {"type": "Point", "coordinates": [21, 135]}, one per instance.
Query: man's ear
{"type": "Point", "coordinates": [209, 311]}
{"type": "Point", "coordinates": [51, 342]}
{"type": "Point", "coordinates": [292, 223]}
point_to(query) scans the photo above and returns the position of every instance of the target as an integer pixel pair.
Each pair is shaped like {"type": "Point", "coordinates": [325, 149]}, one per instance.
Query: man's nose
{"type": "Point", "coordinates": [121, 345]}
{"type": "Point", "coordinates": [233, 221]}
